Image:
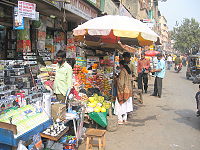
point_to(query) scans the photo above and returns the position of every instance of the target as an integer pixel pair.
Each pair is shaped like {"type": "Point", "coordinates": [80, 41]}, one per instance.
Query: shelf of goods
{"type": "Point", "coordinates": [21, 115]}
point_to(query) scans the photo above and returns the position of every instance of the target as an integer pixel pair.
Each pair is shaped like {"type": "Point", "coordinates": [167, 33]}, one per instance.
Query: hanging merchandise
{"type": "Point", "coordinates": [18, 20]}
{"type": "Point", "coordinates": [23, 38]}
{"type": "Point", "coordinates": [70, 48]}
{"type": "Point", "coordinates": [107, 62]}
{"type": "Point", "coordinates": [59, 41]}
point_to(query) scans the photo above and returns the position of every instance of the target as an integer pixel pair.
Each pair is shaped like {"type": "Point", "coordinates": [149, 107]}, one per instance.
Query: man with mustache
{"type": "Point", "coordinates": [63, 77]}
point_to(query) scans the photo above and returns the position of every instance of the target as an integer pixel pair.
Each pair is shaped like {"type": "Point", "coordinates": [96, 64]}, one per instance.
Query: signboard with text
{"type": "Point", "coordinates": [26, 9]}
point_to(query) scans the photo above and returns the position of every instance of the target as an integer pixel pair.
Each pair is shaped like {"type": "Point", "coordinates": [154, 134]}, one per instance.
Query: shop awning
{"type": "Point", "coordinates": [117, 46]}
{"type": "Point", "coordinates": [127, 48]}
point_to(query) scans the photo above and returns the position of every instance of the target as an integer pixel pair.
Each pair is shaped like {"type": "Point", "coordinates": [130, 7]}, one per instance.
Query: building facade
{"type": "Point", "coordinates": [164, 33]}
{"type": "Point", "coordinates": [52, 30]}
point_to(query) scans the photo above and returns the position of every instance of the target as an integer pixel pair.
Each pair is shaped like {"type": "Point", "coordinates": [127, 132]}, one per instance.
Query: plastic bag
{"type": "Point", "coordinates": [99, 117]}
{"type": "Point", "coordinates": [21, 146]}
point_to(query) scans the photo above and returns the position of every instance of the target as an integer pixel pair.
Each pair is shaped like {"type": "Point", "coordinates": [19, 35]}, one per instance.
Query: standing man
{"type": "Point", "coordinates": [127, 58]}
{"type": "Point", "coordinates": [63, 76]}
{"type": "Point", "coordinates": [143, 70]}
{"type": "Point", "coordinates": [159, 75]}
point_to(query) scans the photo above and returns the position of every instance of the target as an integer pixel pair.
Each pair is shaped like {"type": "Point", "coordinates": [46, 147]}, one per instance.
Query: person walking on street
{"type": "Point", "coordinates": [169, 62]}
{"type": "Point", "coordinates": [159, 75]}
{"type": "Point", "coordinates": [197, 97]}
{"type": "Point", "coordinates": [143, 68]}
{"type": "Point", "coordinates": [184, 61]}
{"type": "Point", "coordinates": [123, 103]}
{"type": "Point", "coordinates": [63, 77]}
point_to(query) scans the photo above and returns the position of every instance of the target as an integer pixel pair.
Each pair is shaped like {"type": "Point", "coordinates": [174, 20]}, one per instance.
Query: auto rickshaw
{"type": "Point", "coordinates": [193, 67]}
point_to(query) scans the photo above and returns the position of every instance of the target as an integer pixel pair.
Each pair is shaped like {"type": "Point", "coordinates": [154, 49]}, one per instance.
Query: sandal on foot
{"type": "Point", "coordinates": [120, 123]}
{"type": "Point", "coordinates": [126, 122]}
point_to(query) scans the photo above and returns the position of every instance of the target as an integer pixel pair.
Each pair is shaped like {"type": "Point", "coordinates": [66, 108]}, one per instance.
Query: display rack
{"type": "Point", "coordinates": [18, 120]}
{"type": "Point", "coordinates": [11, 44]}
{"type": "Point", "coordinates": [8, 137]}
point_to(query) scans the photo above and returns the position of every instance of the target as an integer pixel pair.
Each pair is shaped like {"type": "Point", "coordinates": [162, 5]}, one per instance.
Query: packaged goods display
{"type": "Point", "coordinates": [25, 118]}
{"type": "Point", "coordinates": [19, 84]}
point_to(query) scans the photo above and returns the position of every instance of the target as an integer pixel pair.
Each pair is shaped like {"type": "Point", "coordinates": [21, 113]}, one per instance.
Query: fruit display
{"type": "Point", "coordinates": [97, 104]}
{"type": "Point", "coordinates": [80, 76]}
{"type": "Point", "coordinates": [94, 66]}
{"type": "Point", "coordinates": [97, 78]}
{"type": "Point", "coordinates": [83, 78]}
{"type": "Point", "coordinates": [101, 82]}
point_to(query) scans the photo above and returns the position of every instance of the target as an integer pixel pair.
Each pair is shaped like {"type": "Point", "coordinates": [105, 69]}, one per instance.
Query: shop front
{"type": "Point", "coordinates": [27, 103]}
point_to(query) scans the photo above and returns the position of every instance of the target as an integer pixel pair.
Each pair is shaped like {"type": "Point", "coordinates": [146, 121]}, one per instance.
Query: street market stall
{"type": "Point", "coordinates": [27, 101]}
{"type": "Point", "coordinates": [114, 32]}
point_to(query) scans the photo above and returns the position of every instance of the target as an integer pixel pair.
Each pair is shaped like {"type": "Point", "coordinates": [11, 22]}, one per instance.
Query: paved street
{"type": "Point", "coordinates": [168, 123]}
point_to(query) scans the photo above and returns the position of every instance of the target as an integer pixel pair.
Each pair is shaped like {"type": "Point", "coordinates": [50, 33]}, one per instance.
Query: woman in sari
{"type": "Point", "coordinates": [123, 103]}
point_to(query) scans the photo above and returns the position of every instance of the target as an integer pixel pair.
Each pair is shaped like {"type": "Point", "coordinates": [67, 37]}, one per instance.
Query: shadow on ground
{"type": "Point", "coordinates": [165, 108]}
{"type": "Point", "coordinates": [188, 117]}
{"type": "Point", "coordinates": [140, 122]}
{"type": "Point", "coordinates": [184, 78]}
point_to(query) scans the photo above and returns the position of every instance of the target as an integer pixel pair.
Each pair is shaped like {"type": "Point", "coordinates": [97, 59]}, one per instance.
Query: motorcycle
{"type": "Point", "coordinates": [178, 68]}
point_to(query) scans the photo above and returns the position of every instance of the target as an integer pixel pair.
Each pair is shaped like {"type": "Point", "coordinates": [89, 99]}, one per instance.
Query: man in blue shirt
{"type": "Point", "coordinates": [159, 74]}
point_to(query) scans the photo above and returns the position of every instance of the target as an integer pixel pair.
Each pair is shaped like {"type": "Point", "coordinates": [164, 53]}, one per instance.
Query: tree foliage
{"type": "Point", "coordinates": [187, 36]}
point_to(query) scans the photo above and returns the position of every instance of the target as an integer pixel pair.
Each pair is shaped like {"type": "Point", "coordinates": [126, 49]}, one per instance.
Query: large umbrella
{"type": "Point", "coordinates": [111, 29]}
{"type": "Point", "coordinates": [151, 53]}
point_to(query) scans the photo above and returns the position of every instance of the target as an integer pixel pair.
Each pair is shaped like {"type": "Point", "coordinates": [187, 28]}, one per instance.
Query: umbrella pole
{"type": "Point", "coordinates": [113, 82]}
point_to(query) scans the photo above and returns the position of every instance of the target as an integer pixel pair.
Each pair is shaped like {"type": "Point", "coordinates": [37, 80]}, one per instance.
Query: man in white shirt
{"type": "Point", "coordinates": [169, 62]}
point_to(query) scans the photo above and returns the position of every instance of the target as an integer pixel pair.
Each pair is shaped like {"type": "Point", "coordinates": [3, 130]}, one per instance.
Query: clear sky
{"type": "Point", "coordinates": [177, 10]}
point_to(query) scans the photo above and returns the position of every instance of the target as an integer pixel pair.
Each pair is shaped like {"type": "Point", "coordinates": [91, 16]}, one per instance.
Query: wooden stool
{"type": "Point", "coordinates": [95, 133]}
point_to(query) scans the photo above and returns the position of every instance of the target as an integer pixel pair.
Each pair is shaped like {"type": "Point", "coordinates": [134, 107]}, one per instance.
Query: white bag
{"type": "Point", "coordinates": [21, 146]}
